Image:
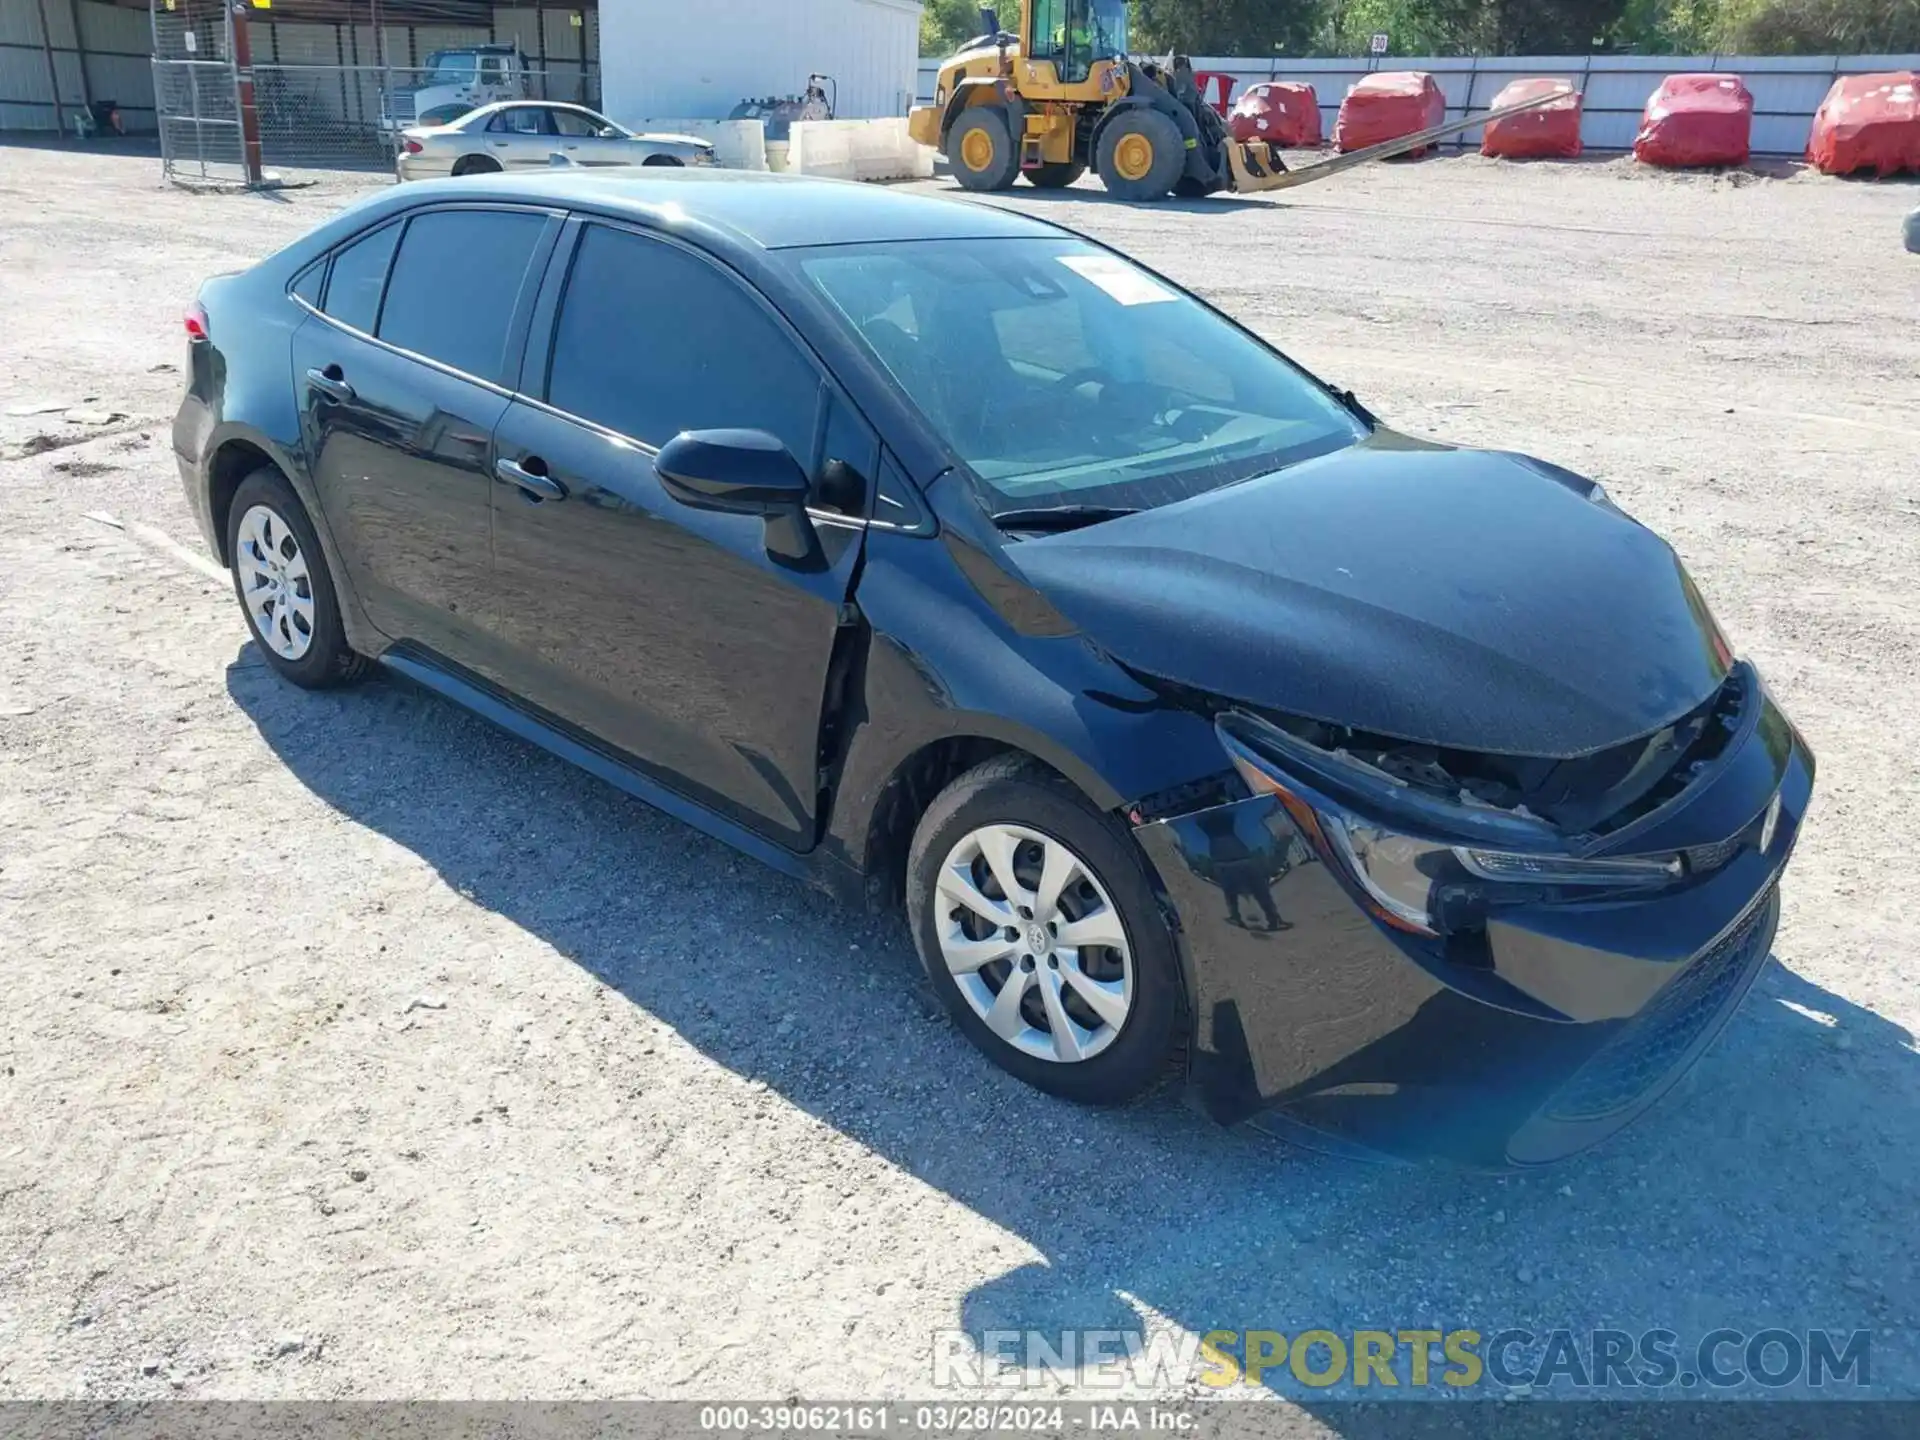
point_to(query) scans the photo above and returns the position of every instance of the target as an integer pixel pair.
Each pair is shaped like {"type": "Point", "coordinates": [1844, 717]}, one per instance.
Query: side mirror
{"type": "Point", "coordinates": [743, 472]}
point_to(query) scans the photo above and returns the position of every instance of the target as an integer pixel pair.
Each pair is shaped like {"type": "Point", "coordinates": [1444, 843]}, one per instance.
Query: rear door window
{"type": "Point", "coordinates": [521, 120]}
{"type": "Point", "coordinates": [455, 285]}
{"type": "Point", "coordinates": [358, 276]}
{"type": "Point", "coordinates": [653, 340]}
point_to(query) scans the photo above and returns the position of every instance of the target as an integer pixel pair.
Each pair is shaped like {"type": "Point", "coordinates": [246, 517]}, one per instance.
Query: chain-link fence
{"type": "Point", "coordinates": [350, 116]}
{"type": "Point", "coordinates": [196, 93]}
{"type": "Point", "coordinates": [319, 117]}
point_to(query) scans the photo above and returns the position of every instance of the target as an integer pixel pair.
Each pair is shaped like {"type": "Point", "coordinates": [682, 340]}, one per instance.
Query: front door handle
{"type": "Point", "coordinates": [533, 484]}
{"type": "Point", "coordinates": [330, 384]}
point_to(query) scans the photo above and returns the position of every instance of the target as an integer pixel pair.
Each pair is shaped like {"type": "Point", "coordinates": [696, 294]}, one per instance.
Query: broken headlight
{"type": "Point", "coordinates": [1416, 855]}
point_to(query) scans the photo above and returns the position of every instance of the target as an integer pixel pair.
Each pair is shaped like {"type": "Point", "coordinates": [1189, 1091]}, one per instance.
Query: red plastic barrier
{"type": "Point", "coordinates": [1387, 106]}
{"type": "Point", "coordinates": [1220, 84]}
{"type": "Point", "coordinates": [1868, 122]}
{"type": "Point", "coordinates": [1550, 132]}
{"type": "Point", "coordinates": [1280, 112]}
{"type": "Point", "coordinates": [1697, 120]}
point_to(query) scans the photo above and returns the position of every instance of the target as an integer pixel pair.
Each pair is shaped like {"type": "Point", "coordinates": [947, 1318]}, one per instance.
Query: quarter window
{"type": "Point", "coordinates": [652, 341]}
{"type": "Point", "coordinates": [359, 274]}
{"type": "Point", "coordinates": [307, 284]}
{"type": "Point", "coordinates": [455, 284]}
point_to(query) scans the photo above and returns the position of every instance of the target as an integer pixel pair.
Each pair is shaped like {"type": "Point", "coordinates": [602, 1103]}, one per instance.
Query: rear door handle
{"type": "Point", "coordinates": [534, 486]}
{"type": "Point", "coordinates": [330, 384]}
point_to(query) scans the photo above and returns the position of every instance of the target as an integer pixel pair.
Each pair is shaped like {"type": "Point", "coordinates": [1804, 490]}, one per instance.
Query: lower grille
{"type": "Point", "coordinates": [1647, 1051]}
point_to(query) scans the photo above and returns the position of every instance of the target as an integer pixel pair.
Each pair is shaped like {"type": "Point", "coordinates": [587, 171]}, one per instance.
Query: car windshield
{"type": "Point", "coordinates": [451, 68]}
{"type": "Point", "coordinates": [1063, 375]}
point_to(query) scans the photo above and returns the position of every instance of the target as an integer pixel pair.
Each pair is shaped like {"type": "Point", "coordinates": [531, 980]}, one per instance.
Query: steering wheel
{"type": "Point", "coordinates": [1093, 429]}
{"type": "Point", "coordinates": [1074, 379]}
{"type": "Point", "coordinates": [1047, 400]}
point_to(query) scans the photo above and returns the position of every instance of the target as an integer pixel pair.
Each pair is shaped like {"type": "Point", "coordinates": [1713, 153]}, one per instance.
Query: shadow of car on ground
{"type": "Point", "coordinates": [1775, 1186]}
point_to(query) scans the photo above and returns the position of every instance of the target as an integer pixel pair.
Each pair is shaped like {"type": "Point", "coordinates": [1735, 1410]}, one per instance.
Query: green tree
{"type": "Point", "coordinates": [1226, 27]}
{"type": "Point", "coordinates": [945, 25]}
{"type": "Point", "coordinates": [1819, 27]}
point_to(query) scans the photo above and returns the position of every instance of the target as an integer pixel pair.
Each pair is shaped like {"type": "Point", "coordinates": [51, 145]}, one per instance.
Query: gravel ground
{"type": "Point", "coordinates": [353, 1049]}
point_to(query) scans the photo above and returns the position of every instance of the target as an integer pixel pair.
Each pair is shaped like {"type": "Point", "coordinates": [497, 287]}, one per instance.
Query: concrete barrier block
{"type": "Point", "coordinates": [858, 150]}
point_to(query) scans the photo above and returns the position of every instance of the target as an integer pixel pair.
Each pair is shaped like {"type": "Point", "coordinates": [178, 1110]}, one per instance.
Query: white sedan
{"type": "Point", "coordinates": [528, 134]}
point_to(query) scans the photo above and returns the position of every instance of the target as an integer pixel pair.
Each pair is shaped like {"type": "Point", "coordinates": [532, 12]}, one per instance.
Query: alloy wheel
{"type": "Point", "coordinates": [275, 587]}
{"type": "Point", "coordinates": [1034, 943]}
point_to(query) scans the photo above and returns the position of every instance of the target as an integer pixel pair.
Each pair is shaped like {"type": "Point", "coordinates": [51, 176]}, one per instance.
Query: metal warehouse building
{"type": "Point", "coordinates": [666, 58]}
{"type": "Point", "coordinates": [680, 58]}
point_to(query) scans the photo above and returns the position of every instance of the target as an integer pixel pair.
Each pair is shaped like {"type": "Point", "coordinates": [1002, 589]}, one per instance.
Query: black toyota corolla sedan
{"type": "Point", "coordinates": [1201, 724]}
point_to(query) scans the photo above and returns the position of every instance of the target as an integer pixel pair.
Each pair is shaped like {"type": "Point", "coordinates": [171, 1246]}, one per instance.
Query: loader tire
{"type": "Point", "coordinates": [980, 149]}
{"type": "Point", "coordinates": [1057, 175]}
{"type": "Point", "coordinates": [1142, 155]}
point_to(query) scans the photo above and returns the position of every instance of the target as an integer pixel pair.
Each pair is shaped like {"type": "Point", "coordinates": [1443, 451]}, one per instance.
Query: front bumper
{"type": "Point", "coordinates": [1305, 1007]}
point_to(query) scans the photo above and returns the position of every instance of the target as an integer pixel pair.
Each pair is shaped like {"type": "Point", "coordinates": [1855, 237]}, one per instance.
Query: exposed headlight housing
{"type": "Point", "coordinates": [1409, 852]}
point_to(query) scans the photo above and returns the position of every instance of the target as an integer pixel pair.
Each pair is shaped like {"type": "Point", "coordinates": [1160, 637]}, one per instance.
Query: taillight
{"type": "Point", "coordinates": [414, 147]}
{"type": "Point", "coordinates": [196, 321]}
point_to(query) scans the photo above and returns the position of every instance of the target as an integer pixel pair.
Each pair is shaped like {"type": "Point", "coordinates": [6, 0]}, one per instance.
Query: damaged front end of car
{"type": "Point", "coordinates": [1491, 958]}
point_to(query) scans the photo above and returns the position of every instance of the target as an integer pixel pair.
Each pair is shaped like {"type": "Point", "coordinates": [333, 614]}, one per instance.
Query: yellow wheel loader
{"type": "Point", "coordinates": [1062, 96]}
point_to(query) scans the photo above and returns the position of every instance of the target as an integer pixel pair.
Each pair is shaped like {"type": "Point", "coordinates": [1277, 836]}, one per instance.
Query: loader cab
{"type": "Point", "coordinates": [1069, 48]}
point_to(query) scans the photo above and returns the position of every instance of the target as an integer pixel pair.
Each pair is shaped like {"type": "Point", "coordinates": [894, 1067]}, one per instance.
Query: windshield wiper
{"type": "Point", "coordinates": [1060, 517]}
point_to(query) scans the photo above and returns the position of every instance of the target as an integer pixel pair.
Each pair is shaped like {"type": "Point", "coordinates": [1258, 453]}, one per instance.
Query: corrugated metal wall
{"type": "Point", "coordinates": [667, 60]}
{"type": "Point", "coordinates": [1787, 89]}
{"type": "Point", "coordinates": [118, 45]}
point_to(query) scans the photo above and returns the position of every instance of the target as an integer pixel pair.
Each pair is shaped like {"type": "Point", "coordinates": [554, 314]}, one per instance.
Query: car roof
{"type": "Point", "coordinates": [765, 211]}
{"type": "Point", "coordinates": [494, 107]}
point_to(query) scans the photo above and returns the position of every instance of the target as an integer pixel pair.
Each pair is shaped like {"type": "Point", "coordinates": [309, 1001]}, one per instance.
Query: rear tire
{"type": "Point", "coordinates": [980, 149]}
{"type": "Point", "coordinates": [1142, 155]}
{"type": "Point", "coordinates": [476, 165]}
{"type": "Point", "coordinates": [281, 579]}
{"type": "Point", "coordinates": [1041, 821]}
{"type": "Point", "coordinates": [1057, 175]}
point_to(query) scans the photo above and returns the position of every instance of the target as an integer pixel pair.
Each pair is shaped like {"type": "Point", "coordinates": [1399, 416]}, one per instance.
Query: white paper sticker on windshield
{"type": "Point", "coordinates": [1119, 279]}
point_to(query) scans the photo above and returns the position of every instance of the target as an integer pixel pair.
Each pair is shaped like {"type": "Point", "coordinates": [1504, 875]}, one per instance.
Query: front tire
{"type": "Point", "coordinates": [281, 578]}
{"type": "Point", "coordinates": [1037, 924]}
{"type": "Point", "coordinates": [1142, 155]}
{"type": "Point", "coordinates": [980, 149]}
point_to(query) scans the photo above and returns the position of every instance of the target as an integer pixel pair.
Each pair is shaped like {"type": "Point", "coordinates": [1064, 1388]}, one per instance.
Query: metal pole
{"type": "Point", "coordinates": [243, 87]}
{"type": "Point", "coordinates": [199, 137]}
{"type": "Point", "coordinates": [80, 54]}
{"type": "Point", "coordinates": [53, 74]}
{"type": "Point", "coordinates": [1473, 82]}
{"type": "Point", "coordinates": [1586, 83]}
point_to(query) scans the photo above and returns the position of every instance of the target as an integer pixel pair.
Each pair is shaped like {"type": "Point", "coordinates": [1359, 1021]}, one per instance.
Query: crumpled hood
{"type": "Point", "coordinates": [1470, 599]}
